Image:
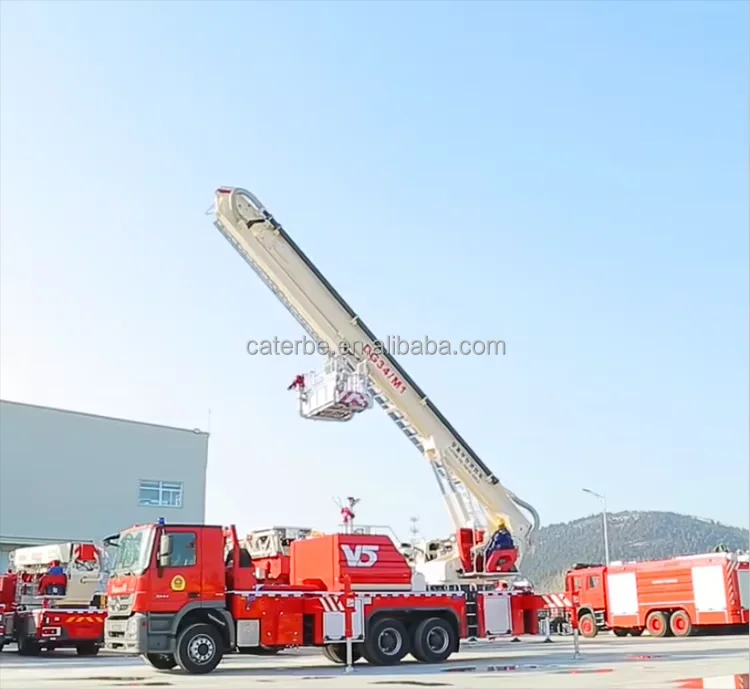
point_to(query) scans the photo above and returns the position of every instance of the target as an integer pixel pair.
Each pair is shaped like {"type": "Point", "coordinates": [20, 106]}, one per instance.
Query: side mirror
{"type": "Point", "coordinates": [165, 549]}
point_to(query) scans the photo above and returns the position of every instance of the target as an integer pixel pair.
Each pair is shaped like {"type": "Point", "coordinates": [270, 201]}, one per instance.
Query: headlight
{"type": "Point", "coordinates": [131, 630]}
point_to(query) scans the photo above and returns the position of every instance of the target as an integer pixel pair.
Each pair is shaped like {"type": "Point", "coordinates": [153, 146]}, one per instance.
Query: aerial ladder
{"type": "Point", "coordinates": [493, 530]}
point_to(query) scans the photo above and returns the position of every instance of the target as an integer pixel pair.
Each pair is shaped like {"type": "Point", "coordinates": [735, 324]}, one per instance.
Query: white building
{"type": "Point", "coordinates": [67, 476]}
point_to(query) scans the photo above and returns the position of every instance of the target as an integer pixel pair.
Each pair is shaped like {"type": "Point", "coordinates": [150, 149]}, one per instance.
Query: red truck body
{"type": "Point", "coordinates": [44, 626]}
{"type": "Point", "coordinates": [187, 595]}
{"type": "Point", "coordinates": [36, 620]}
{"type": "Point", "coordinates": [673, 597]}
{"type": "Point", "coordinates": [50, 628]}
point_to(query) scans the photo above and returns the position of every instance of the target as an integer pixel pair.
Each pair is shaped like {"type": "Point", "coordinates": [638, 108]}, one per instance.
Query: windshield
{"type": "Point", "coordinates": [131, 552]}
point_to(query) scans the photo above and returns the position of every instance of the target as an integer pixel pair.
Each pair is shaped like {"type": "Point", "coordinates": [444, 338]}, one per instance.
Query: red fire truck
{"type": "Point", "coordinates": [673, 597]}
{"type": "Point", "coordinates": [48, 599]}
{"type": "Point", "coordinates": [187, 595]}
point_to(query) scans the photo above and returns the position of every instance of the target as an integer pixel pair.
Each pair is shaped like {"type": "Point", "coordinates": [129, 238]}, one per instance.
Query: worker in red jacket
{"type": "Point", "coordinates": [298, 383]}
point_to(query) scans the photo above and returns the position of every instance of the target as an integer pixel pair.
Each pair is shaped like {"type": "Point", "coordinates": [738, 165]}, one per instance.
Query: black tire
{"type": "Point", "coordinates": [386, 642]}
{"type": "Point", "coordinates": [200, 649]}
{"type": "Point", "coordinates": [28, 647]}
{"type": "Point", "coordinates": [2, 644]}
{"type": "Point", "coordinates": [434, 641]}
{"type": "Point", "coordinates": [637, 631]}
{"type": "Point", "coordinates": [587, 626]}
{"type": "Point", "coordinates": [336, 653]}
{"type": "Point", "coordinates": [330, 654]}
{"type": "Point", "coordinates": [88, 649]}
{"type": "Point", "coordinates": [619, 631]}
{"type": "Point", "coordinates": [160, 661]}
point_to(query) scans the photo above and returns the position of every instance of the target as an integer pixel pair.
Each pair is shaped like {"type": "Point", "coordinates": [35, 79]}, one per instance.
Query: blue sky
{"type": "Point", "coordinates": [569, 177]}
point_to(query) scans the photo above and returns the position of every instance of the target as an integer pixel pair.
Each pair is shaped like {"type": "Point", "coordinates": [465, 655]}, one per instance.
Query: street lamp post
{"type": "Point", "coordinates": [604, 521]}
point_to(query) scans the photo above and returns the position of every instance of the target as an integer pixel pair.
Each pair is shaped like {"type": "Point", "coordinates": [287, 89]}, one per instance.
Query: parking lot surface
{"type": "Point", "coordinates": [711, 662]}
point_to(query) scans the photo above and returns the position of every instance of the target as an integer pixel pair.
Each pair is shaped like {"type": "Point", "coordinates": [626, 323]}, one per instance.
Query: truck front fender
{"type": "Point", "coordinates": [215, 613]}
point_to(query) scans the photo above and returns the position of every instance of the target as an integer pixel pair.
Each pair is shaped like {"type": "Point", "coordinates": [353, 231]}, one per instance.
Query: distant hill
{"type": "Point", "coordinates": [632, 536]}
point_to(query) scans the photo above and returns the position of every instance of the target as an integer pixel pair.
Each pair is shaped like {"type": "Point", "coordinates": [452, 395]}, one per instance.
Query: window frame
{"type": "Point", "coordinates": [171, 494]}
{"type": "Point", "coordinates": [174, 536]}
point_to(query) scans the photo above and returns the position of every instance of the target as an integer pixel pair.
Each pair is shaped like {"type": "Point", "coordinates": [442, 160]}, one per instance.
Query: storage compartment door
{"type": "Point", "coordinates": [623, 594]}
{"type": "Point", "coordinates": [743, 578]}
{"type": "Point", "coordinates": [497, 615]}
{"type": "Point", "coordinates": [709, 589]}
{"type": "Point", "coordinates": [334, 623]}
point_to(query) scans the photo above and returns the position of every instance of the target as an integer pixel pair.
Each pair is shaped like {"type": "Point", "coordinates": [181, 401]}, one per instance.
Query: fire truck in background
{"type": "Point", "coordinates": [189, 594]}
{"type": "Point", "coordinates": [674, 597]}
{"type": "Point", "coordinates": [49, 599]}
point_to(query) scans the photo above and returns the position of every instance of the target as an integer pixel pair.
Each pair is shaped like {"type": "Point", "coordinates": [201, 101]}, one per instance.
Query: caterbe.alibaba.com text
{"type": "Point", "coordinates": [391, 345]}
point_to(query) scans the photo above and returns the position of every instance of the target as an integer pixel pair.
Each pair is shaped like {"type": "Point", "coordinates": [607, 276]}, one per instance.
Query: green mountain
{"type": "Point", "coordinates": [632, 536]}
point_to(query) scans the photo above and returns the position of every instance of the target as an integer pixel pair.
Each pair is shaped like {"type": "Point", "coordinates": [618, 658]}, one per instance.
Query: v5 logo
{"type": "Point", "coordinates": [360, 555]}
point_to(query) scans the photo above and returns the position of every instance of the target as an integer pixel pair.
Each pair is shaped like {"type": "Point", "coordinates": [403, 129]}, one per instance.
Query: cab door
{"type": "Point", "coordinates": [178, 581]}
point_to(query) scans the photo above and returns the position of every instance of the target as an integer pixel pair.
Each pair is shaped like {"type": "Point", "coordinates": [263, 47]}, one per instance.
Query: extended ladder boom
{"type": "Point", "coordinates": [471, 489]}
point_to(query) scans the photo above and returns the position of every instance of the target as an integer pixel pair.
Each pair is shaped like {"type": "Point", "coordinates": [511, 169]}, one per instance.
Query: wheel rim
{"type": "Point", "coordinates": [586, 626]}
{"type": "Point", "coordinates": [679, 623]}
{"type": "Point", "coordinates": [437, 640]}
{"type": "Point", "coordinates": [201, 649]}
{"type": "Point", "coordinates": [656, 625]}
{"type": "Point", "coordinates": [389, 642]}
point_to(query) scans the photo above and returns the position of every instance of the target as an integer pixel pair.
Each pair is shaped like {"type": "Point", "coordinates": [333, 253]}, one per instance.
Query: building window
{"type": "Point", "coordinates": [183, 552]}
{"type": "Point", "coordinates": [160, 494]}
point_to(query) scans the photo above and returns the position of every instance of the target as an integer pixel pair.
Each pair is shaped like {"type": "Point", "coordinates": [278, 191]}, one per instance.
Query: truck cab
{"type": "Point", "coordinates": [162, 579]}
{"type": "Point", "coordinates": [585, 586]}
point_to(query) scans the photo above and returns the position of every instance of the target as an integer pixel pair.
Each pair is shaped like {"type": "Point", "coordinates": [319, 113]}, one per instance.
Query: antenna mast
{"type": "Point", "coordinates": [414, 530]}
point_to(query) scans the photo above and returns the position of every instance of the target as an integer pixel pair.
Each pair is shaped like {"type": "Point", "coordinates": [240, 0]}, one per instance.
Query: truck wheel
{"type": "Point", "coordinates": [620, 632]}
{"type": "Point", "coordinates": [28, 647]}
{"type": "Point", "coordinates": [656, 623]}
{"type": "Point", "coordinates": [434, 641]}
{"type": "Point", "coordinates": [336, 653]}
{"type": "Point", "coordinates": [386, 643]}
{"type": "Point", "coordinates": [680, 623]}
{"type": "Point", "coordinates": [587, 626]}
{"type": "Point", "coordinates": [637, 631]}
{"type": "Point", "coordinates": [88, 648]}
{"type": "Point", "coordinates": [160, 661]}
{"type": "Point", "coordinates": [199, 649]}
